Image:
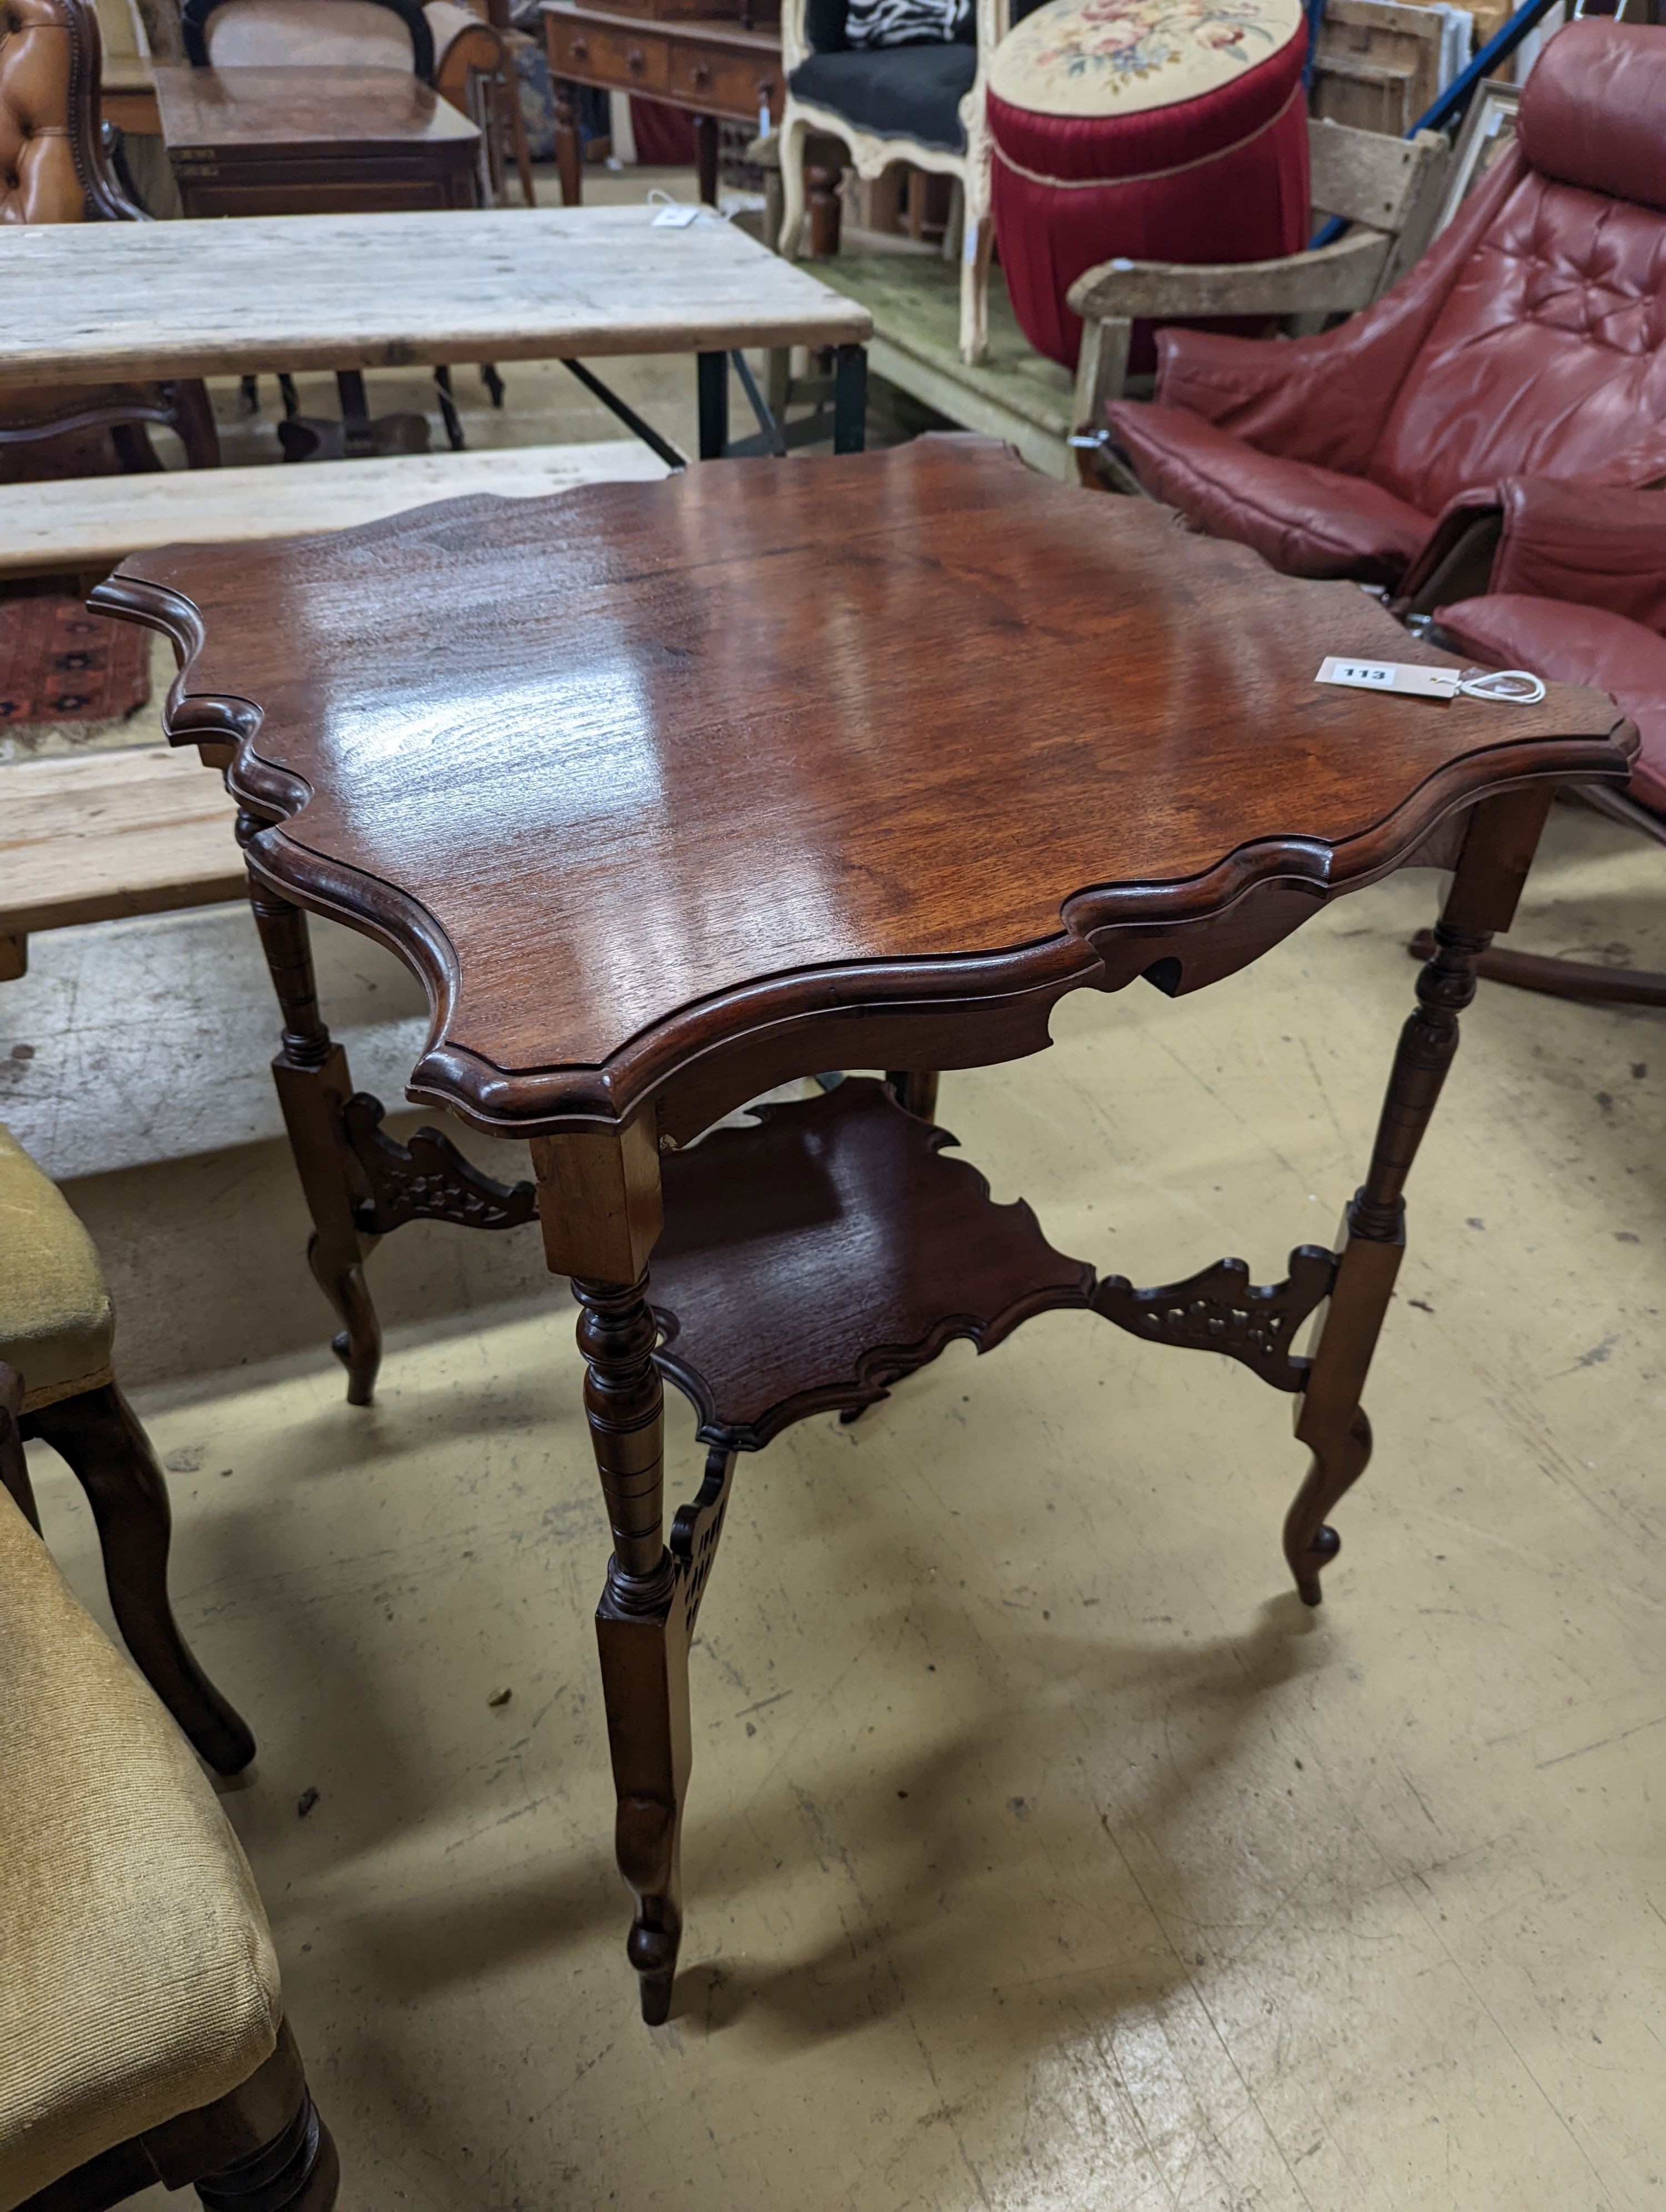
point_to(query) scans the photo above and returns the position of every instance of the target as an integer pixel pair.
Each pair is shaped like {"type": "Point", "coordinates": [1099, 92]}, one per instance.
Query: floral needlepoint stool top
{"type": "Point", "coordinates": [1160, 130]}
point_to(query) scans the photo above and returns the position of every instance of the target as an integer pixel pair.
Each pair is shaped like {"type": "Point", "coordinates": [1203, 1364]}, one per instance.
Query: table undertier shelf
{"type": "Point", "coordinates": [812, 1260]}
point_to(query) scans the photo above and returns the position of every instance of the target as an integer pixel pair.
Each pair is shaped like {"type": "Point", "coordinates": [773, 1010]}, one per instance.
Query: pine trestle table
{"type": "Point", "coordinates": [111, 303]}
{"type": "Point", "coordinates": [863, 764]}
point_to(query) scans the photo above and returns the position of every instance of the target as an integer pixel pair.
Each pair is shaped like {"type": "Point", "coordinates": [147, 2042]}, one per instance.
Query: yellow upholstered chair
{"type": "Point", "coordinates": [57, 1382]}
{"type": "Point", "coordinates": [142, 2031]}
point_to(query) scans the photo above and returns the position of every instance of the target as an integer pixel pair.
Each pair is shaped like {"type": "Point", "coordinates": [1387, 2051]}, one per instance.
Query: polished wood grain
{"type": "Point", "coordinates": [783, 752]}
{"type": "Point", "coordinates": [96, 302]}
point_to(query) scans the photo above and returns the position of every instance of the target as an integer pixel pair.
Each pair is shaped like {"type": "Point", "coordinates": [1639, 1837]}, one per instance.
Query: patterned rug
{"type": "Point", "coordinates": [60, 664]}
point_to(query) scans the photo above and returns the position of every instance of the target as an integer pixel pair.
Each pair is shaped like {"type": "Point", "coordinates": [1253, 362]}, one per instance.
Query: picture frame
{"type": "Point", "coordinates": [1488, 131]}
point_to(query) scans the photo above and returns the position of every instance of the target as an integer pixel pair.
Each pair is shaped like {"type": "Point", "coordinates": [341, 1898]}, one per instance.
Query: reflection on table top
{"type": "Point", "coordinates": [867, 724]}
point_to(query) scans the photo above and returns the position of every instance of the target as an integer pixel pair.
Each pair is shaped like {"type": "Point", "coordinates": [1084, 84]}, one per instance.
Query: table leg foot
{"type": "Point", "coordinates": [358, 1343]}
{"type": "Point", "coordinates": [1309, 1544]}
{"type": "Point", "coordinates": [656, 1998]}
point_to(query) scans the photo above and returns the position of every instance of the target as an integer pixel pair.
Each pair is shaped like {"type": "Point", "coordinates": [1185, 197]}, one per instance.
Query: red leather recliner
{"type": "Point", "coordinates": [1579, 596]}
{"type": "Point", "coordinates": [1531, 341]}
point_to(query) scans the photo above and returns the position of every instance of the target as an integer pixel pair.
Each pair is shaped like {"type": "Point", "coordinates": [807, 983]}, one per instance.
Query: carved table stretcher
{"type": "Point", "coordinates": [764, 770]}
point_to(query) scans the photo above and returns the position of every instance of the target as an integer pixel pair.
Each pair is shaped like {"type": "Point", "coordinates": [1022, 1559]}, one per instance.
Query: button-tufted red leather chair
{"type": "Point", "coordinates": [1578, 594]}
{"type": "Point", "coordinates": [52, 169]}
{"type": "Point", "coordinates": [1531, 341]}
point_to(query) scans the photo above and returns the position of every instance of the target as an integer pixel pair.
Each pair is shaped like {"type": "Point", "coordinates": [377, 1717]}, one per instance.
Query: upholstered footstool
{"type": "Point", "coordinates": [1162, 129]}
{"type": "Point", "coordinates": [57, 1382]}
{"type": "Point", "coordinates": [141, 2018]}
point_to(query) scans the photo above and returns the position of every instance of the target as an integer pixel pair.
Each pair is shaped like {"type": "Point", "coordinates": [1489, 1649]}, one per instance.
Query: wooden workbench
{"type": "Point", "coordinates": [110, 302]}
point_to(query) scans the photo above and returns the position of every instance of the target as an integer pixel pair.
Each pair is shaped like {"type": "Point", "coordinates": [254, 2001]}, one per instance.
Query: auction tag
{"type": "Point", "coordinates": [1402, 676]}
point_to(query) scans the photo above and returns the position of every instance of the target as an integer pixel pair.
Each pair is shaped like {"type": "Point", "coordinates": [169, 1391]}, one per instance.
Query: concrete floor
{"type": "Point", "coordinates": [1043, 1854]}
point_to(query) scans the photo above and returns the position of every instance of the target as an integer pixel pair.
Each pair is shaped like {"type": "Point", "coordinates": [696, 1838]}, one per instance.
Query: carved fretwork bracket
{"type": "Point", "coordinates": [427, 1179]}
{"type": "Point", "coordinates": [1222, 1310]}
{"type": "Point", "coordinates": [694, 1532]}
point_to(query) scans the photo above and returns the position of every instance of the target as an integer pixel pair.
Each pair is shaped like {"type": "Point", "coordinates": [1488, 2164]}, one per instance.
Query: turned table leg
{"type": "Point", "coordinates": [313, 1087]}
{"type": "Point", "coordinates": [600, 1203]}
{"type": "Point", "coordinates": [1498, 850]}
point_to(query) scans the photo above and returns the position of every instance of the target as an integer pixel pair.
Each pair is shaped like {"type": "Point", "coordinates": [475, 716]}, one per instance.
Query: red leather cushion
{"type": "Point", "coordinates": [1576, 645]}
{"type": "Point", "coordinates": [1548, 357]}
{"type": "Point", "coordinates": [1307, 521]}
{"type": "Point", "coordinates": [1592, 110]}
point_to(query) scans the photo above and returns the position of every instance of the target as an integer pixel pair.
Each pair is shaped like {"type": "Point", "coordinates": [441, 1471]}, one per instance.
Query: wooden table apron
{"type": "Point", "coordinates": [250, 293]}
{"type": "Point", "coordinates": [671, 792]}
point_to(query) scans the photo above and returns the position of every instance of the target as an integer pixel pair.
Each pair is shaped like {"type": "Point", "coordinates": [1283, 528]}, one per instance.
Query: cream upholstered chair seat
{"type": "Point", "coordinates": [56, 1325]}
{"type": "Point", "coordinates": [139, 1980]}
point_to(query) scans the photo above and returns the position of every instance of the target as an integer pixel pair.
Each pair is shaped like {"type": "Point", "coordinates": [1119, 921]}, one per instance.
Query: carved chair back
{"type": "Point", "coordinates": [308, 34]}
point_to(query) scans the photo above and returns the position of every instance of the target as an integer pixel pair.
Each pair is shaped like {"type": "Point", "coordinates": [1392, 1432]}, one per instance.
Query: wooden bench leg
{"type": "Point", "coordinates": [14, 957]}
{"type": "Point", "coordinates": [313, 1087]}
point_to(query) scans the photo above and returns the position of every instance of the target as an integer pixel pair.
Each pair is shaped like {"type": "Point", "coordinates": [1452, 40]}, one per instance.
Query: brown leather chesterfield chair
{"type": "Point", "coordinates": [1579, 595]}
{"type": "Point", "coordinates": [1531, 340]}
{"type": "Point", "coordinates": [52, 169]}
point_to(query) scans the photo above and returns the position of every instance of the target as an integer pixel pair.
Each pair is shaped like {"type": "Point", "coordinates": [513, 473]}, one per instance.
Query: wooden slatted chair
{"type": "Point", "coordinates": [1387, 190]}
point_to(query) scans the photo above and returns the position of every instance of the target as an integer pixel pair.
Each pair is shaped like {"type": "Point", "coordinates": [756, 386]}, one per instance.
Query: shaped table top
{"type": "Point", "coordinates": [104, 302]}
{"type": "Point", "coordinates": [624, 772]}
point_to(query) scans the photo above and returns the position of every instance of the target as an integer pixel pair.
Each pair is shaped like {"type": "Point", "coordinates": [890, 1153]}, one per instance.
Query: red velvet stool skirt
{"type": "Point", "coordinates": [1157, 129]}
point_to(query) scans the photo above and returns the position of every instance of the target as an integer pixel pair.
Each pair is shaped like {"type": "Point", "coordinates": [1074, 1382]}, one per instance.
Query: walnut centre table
{"type": "Point", "coordinates": [672, 792]}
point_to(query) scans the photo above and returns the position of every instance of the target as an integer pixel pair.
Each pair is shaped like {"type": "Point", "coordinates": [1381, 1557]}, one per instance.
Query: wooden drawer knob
{"type": "Point", "coordinates": [579, 49]}
{"type": "Point", "coordinates": [635, 61]}
{"type": "Point", "coordinates": [700, 75]}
